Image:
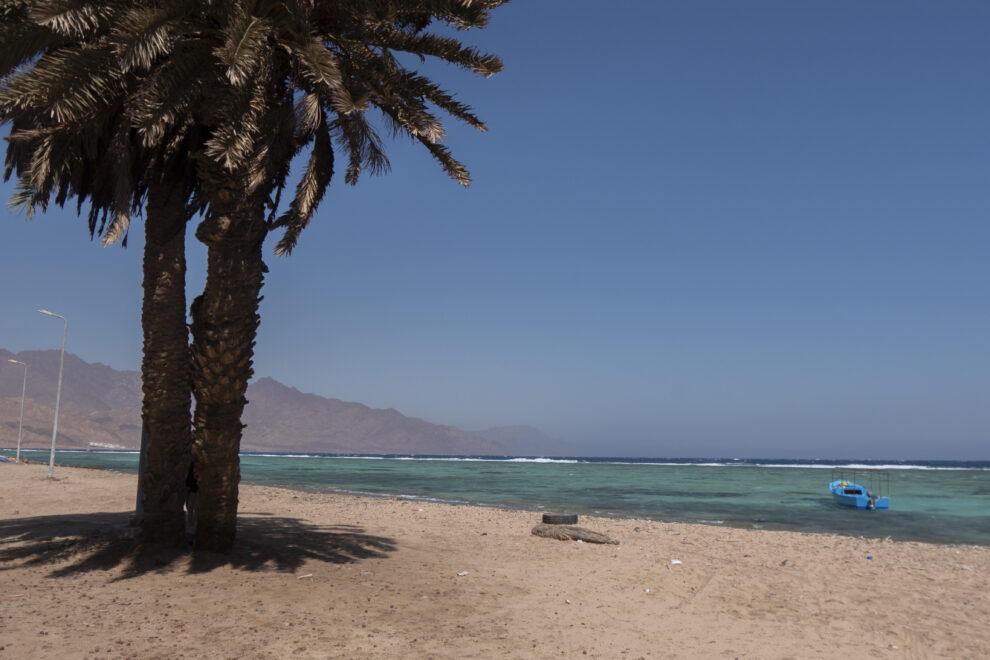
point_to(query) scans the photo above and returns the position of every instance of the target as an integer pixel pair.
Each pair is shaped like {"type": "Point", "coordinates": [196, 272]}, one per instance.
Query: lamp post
{"type": "Point", "coordinates": [58, 390]}
{"type": "Point", "coordinates": [20, 424]}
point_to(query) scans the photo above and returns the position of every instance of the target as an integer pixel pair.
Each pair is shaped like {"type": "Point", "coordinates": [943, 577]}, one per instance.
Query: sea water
{"type": "Point", "coordinates": [938, 501]}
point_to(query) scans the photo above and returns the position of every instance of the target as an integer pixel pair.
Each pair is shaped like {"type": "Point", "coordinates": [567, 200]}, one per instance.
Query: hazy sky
{"type": "Point", "coordinates": [696, 229]}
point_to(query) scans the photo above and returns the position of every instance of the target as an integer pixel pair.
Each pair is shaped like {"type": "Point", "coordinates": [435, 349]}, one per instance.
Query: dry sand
{"type": "Point", "coordinates": [328, 576]}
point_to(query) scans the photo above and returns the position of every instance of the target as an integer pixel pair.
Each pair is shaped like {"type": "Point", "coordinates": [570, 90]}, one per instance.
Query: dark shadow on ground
{"type": "Point", "coordinates": [269, 542]}
{"type": "Point", "coordinates": [102, 541]}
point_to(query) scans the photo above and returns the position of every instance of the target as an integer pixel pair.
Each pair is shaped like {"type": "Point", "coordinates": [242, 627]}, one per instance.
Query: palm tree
{"type": "Point", "coordinates": [243, 87]}
{"type": "Point", "coordinates": [310, 72]}
{"type": "Point", "coordinates": [71, 136]}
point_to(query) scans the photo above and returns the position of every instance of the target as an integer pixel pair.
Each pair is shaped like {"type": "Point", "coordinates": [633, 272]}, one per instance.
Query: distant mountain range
{"type": "Point", "coordinates": [101, 409]}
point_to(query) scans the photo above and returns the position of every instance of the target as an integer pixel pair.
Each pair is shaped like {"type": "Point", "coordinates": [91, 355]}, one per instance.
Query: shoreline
{"type": "Point", "coordinates": [326, 575]}
{"type": "Point", "coordinates": [958, 534]}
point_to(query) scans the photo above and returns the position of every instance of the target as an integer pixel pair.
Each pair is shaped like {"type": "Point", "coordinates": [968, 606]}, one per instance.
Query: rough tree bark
{"type": "Point", "coordinates": [165, 410]}
{"type": "Point", "coordinates": [224, 326]}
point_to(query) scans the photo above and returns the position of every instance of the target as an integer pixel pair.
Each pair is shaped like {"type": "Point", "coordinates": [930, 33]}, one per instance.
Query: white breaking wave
{"type": "Point", "coordinates": [735, 462]}
{"type": "Point", "coordinates": [539, 460]}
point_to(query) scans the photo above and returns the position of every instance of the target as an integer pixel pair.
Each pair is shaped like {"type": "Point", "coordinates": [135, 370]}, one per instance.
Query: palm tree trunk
{"type": "Point", "coordinates": [224, 325]}
{"type": "Point", "coordinates": [165, 410]}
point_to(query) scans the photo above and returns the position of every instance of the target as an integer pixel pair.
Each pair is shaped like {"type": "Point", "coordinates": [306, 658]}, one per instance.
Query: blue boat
{"type": "Point", "coordinates": [849, 489]}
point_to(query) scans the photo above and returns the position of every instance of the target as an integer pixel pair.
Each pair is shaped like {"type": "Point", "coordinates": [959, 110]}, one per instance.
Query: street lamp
{"type": "Point", "coordinates": [58, 390]}
{"type": "Point", "coordinates": [20, 424]}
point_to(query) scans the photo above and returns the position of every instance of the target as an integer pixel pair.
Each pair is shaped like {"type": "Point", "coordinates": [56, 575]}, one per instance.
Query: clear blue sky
{"type": "Point", "coordinates": [695, 229]}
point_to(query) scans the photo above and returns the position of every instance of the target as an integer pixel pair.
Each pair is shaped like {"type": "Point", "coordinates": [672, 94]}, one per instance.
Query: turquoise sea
{"type": "Point", "coordinates": [933, 501]}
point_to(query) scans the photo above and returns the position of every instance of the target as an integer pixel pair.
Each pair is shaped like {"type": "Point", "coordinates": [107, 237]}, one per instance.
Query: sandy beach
{"type": "Point", "coordinates": [329, 576]}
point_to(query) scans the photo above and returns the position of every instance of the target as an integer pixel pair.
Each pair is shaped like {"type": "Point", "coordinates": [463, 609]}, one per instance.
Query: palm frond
{"type": "Point", "coordinates": [69, 85]}
{"type": "Point", "coordinates": [410, 115]}
{"type": "Point", "coordinates": [317, 64]}
{"type": "Point", "coordinates": [243, 47]}
{"type": "Point", "coordinates": [142, 35]}
{"type": "Point", "coordinates": [173, 90]}
{"type": "Point", "coordinates": [120, 155]}
{"type": "Point", "coordinates": [309, 114]}
{"type": "Point", "coordinates": [25, 199]}
{"type": "Point", "coordinates": [364, 147]}
{"type": "Point", "coordinates": [450, 165]}
{"type": "Point", "coordinates": [75, 19]}
{"type": "Point", "coordinates": [239, 116]}
{"type": "Point", "coordinates": [309, 192]}
{"type": "Point", "coordinates": [444, 48]}
{"type": "Point", "coordinates": [321, 73]}
{"type": "Point", "coordinates": [434, 94]}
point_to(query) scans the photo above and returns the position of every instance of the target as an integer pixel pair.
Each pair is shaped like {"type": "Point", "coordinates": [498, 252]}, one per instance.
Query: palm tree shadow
{"type": "Point", "coordinates": [269, 542]}
{"type": "Point", "coordinates": [94, 541]}
{"type": "Point", "coordinates": [82, 543]}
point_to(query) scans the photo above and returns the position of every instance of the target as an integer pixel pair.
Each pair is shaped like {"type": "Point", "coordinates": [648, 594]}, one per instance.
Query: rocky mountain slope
{"type": "Point", "coordinates": [101, 408]}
